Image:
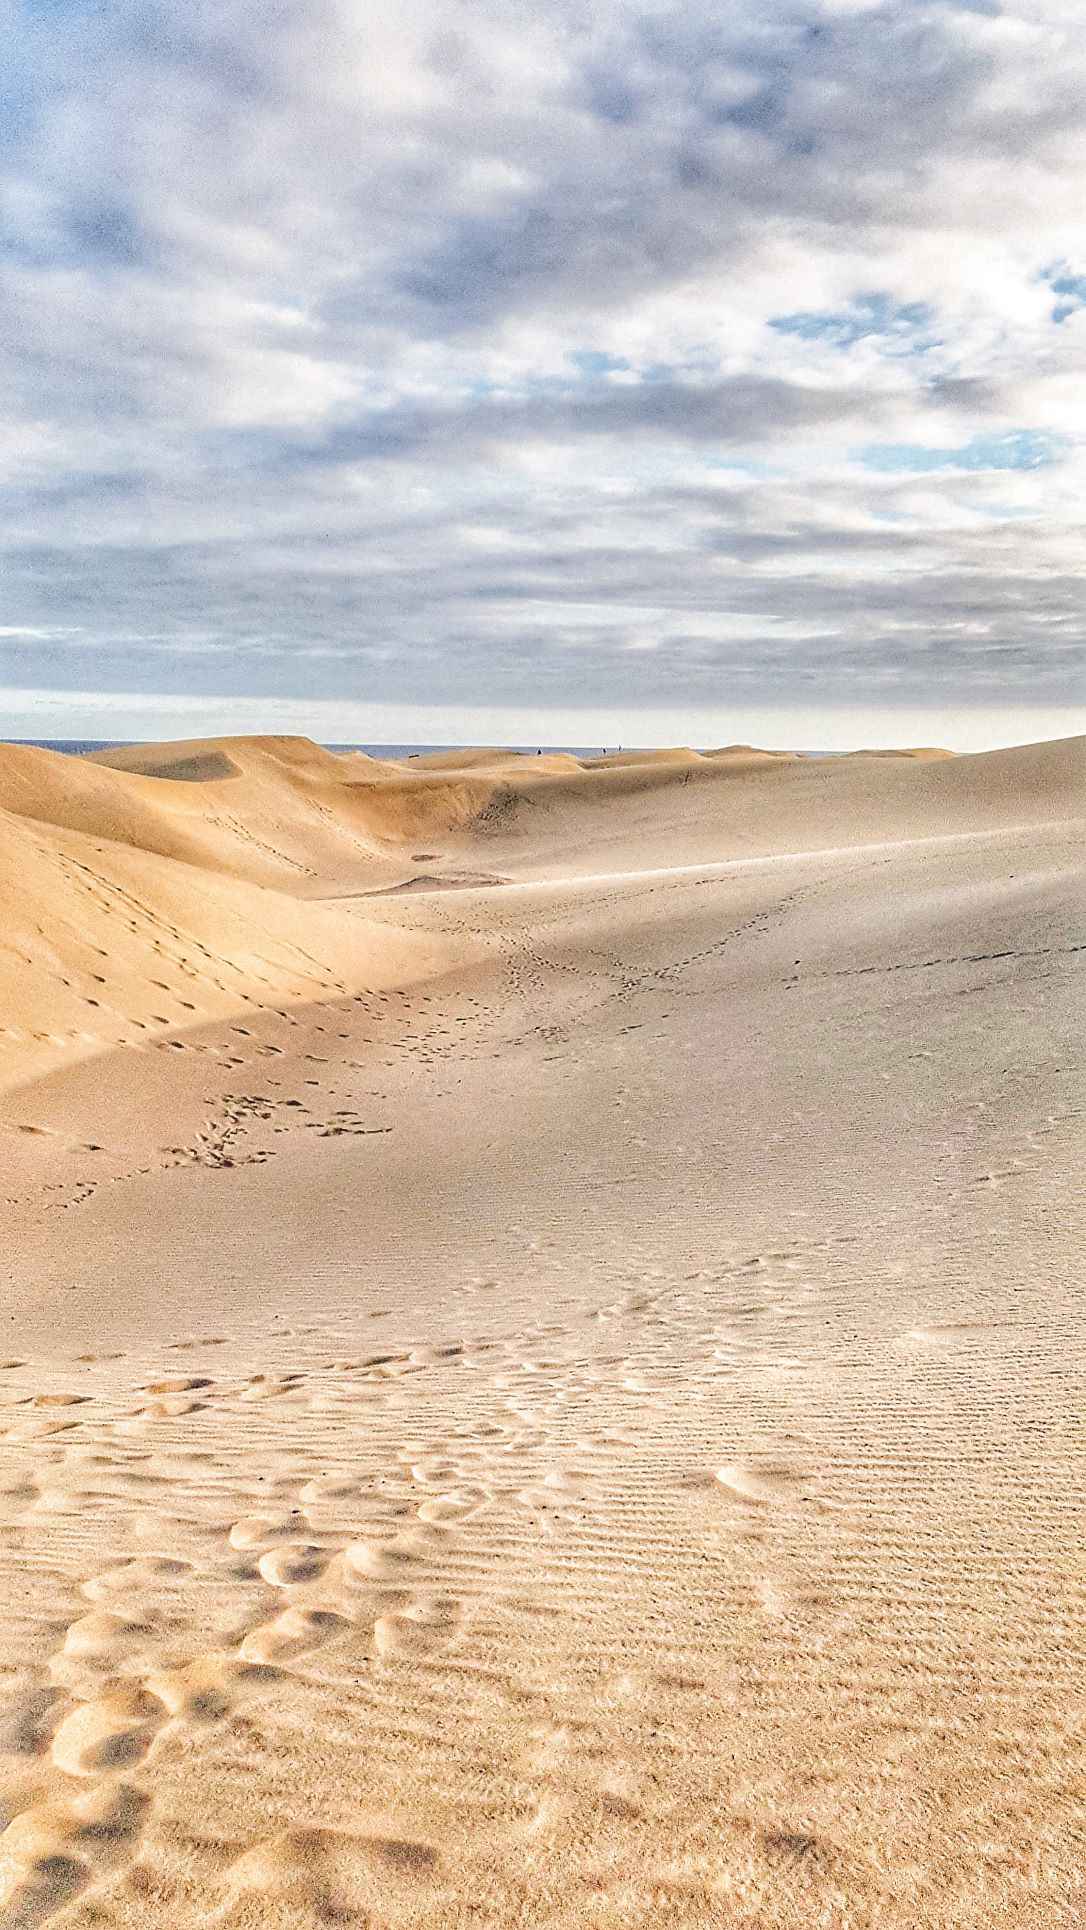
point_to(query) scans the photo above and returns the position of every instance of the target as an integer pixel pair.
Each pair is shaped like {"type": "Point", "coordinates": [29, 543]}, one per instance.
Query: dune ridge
{"type": "Point", "coordinates": [136, 879]}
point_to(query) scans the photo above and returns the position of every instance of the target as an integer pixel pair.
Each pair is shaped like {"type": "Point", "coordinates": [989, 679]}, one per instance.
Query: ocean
{"type": "Point", "coordinates": [80, 746]}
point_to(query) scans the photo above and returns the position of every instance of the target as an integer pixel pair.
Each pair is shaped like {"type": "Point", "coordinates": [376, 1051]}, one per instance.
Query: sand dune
{"type": "Point", "coordinates": [156, 886]}
{"type": "Point", "coordinates": [541, 1339]}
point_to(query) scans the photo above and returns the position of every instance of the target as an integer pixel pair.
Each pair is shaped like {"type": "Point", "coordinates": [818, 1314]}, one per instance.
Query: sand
{"type": "Point", "coordinates": [541, 1342]}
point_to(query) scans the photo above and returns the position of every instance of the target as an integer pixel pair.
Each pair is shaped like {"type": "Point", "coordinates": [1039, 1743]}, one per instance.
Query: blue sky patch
{"type": "Point", "coordinates": [594, 361]}
{"type": "Point", "coordinates": [1019, 449]}
{"type": "Point", "coordinates": [875, 314]}
{"type": "Point", "coordinates": [1071, 290]}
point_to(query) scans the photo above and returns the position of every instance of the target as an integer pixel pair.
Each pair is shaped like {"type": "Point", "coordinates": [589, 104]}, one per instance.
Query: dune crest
{"type": "Point", "coordinates": [162, 885]}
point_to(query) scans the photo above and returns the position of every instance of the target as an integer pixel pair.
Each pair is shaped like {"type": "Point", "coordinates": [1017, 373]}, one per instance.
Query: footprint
{"type": "Point", "coordinates": [260, 1388]}
{"type": "Point", "coordinates": [380, 1561]}
{"type": "Point", "coordinates": [291, 1634]}
{"type": "Point", "coordinates": [330, 1876]}
{"type": "Point", "coordinates": [150, 1571]}
{"type": "Point", "coordinates": [260, 1531]}
{"type": "Point", "coordinates": [769, 1483]}
{"type": "Point", "coordinates": [38, 1875]}
{"type": "Point", "coordinates": [295, 1561]}
{"type": "Point", "coordinates": [178, 1384]}
{"type": "Point", "coordinates": [112, 1732]}
{"type": "Point", "coordinates": [173, 1406]}
{"type": "Point", "coordinates": [49, 1852]}
{"type": "Point", "coordinates": [28, 1721]}
{"type": "Point", "coordinates": [102, 1636]}
{"type": "Point", "coordinates": [330, 1487]}
{"type": "Point", "coordinates": [207, 1689]}
{"type": "Point", "coordinates": [456, 1504]}
{"type": "Point", "coordinates": [417, 1629]}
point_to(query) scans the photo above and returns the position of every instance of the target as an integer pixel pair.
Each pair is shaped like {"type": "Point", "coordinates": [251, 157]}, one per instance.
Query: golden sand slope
{"type": "Point", "coordinates": [551, 1404]}
{"type": "Point", "coordinates": [132, 906]}
{"type": "Point", "coordinates": [123, 877]}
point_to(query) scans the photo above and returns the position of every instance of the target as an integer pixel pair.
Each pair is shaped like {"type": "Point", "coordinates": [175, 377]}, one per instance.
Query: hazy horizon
{"type": "Point", "coordinates": [49, 718]}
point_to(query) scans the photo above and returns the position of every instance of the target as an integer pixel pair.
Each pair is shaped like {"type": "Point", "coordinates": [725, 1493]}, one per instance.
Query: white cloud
{"type": "Point", "coordinates": [437, 353]}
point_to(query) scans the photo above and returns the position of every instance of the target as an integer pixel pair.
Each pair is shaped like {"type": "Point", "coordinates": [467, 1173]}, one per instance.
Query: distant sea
{"type": "Point", "coordinates": [79, 746]}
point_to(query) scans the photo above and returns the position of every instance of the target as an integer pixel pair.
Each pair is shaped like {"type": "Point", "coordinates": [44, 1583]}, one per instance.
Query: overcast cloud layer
{"type": "Point", "coordinates": [647, 358]}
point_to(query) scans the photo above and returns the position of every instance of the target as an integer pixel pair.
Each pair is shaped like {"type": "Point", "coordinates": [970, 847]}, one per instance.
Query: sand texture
{"type": "Point", "coordinates": [541, 1340]}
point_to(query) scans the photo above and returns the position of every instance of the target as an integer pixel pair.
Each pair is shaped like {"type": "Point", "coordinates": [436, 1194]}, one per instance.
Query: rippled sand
{"type": "Point", "coordinates": [547, 1402]}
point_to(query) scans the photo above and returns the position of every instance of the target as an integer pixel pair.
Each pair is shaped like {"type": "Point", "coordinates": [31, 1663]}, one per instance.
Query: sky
{"type": "Point", "coordinates": [543, 370]}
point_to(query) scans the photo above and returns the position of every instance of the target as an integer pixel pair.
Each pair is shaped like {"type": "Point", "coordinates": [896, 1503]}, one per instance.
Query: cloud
{"type": "Point", "coordinates": [492, 354]}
